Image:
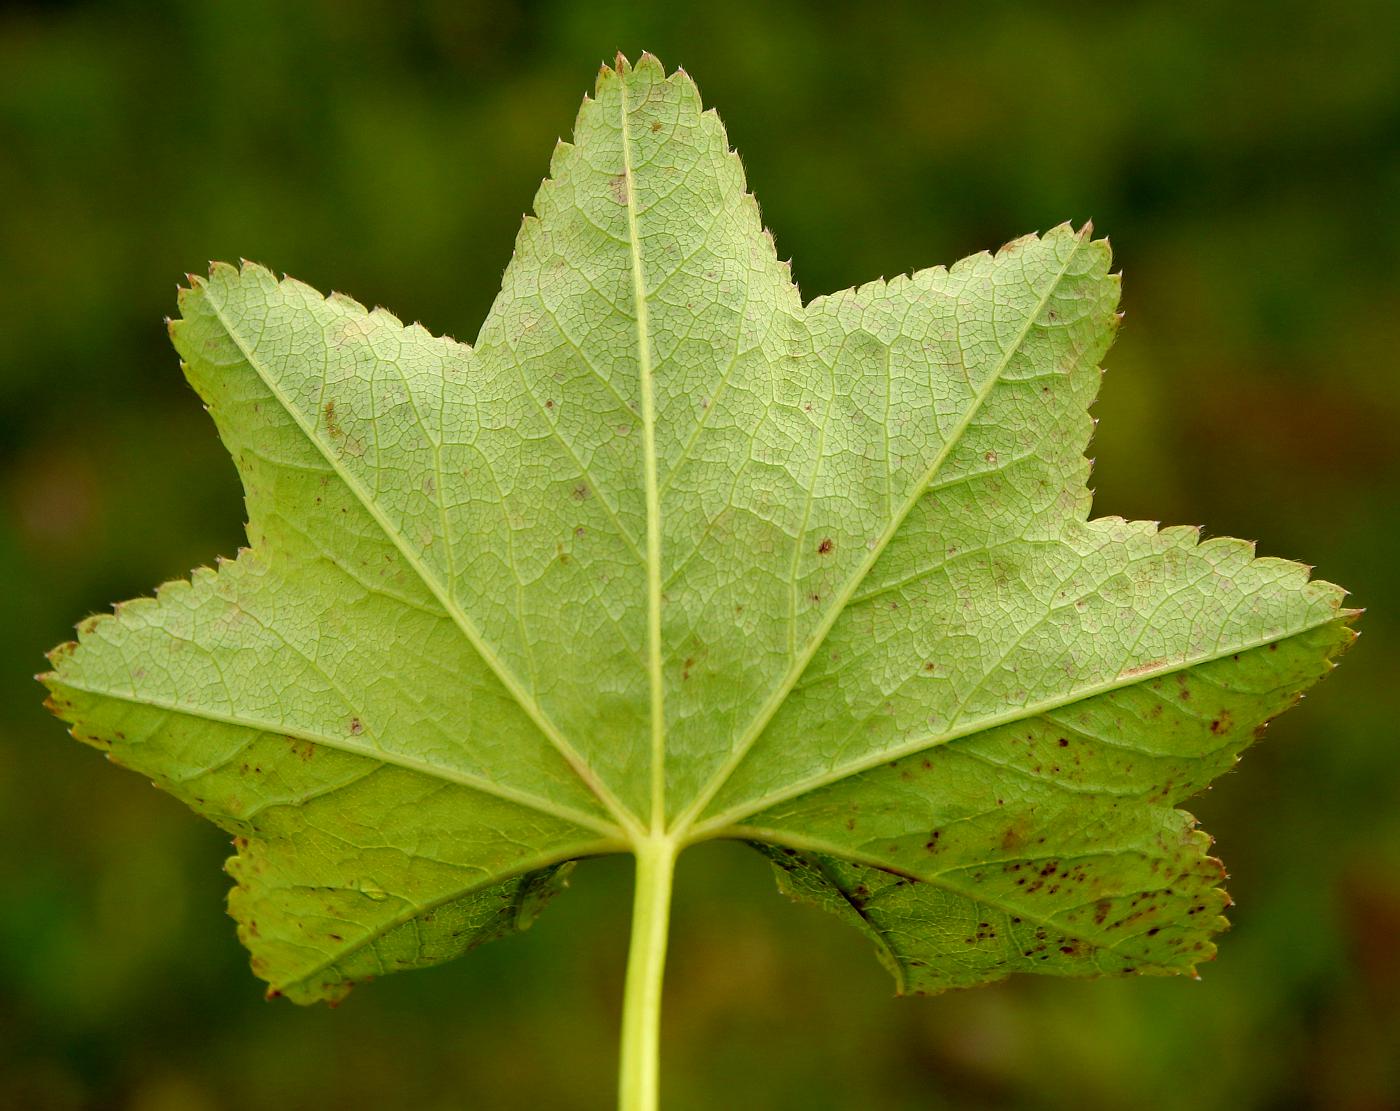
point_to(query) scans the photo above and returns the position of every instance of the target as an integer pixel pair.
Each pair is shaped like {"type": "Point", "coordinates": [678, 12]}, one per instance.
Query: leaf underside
{"type": "Point", "coordinates": [668, 549]}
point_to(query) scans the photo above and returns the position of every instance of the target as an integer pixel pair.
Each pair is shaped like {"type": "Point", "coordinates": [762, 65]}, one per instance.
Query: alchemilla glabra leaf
{"type": "Point", "coordinates": [668, 555]}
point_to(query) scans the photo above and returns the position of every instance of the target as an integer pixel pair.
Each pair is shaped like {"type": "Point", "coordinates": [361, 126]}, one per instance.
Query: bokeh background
{"type": "Point", "coordinates": [1245, 159]}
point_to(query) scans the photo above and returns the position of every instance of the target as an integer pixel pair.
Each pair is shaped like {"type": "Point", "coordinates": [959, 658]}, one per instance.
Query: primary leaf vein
{"type": "Point", "coordinates": [799, 664]}
{"type": "Point", "coordinates": [444, 596]}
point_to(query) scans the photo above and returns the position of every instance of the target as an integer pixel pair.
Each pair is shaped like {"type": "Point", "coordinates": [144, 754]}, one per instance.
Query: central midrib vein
{"type": "Point", "coordinates": [653, 499]}
{"type": "Point", "coordinates": [760, 722]}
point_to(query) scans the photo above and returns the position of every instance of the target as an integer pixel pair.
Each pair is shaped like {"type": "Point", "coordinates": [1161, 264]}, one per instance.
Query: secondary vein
{"type": "Point", "coordinates": [444, 596]}
{"type": "Point", "coordinates": [799, 665]}
{"type": "Point", "coordinates": [397, 759]}
{"type": "Point", "coordinates": [924, 742]}
{"type": "Point", "coordinates": [415, 911]}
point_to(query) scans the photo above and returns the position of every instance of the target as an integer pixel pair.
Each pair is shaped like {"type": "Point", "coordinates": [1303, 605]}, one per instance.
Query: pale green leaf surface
{"type": "Point", "coordinates": [669, 552]}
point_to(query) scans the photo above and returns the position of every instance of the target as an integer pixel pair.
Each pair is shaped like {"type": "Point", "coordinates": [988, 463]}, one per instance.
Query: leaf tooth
{"type": "Point", "coordinates": [57, 654]}
{"type": "Point", "coordinates": [309, 292]}
{"type": "Point", "coordinates": [1011, 246]}
{"type": "Point", "coordinates": [380, 313]}
{"type": "Point", "coordinates": [196, 286]}
{"type": "Point", "coordinates": [345, 301]}
{"type": "Point", "coordinates": [649, 63]}
{"type": "Point", "coordinates": [588, 100]}
{"type": "Point", "coordinates": [971, 262]}
{"type": "Point", "coordinates": [1229, 549]}
{"type": "Point", "coordinates": [558, 159]}
{"type": "Point", "coordinates": [682, 80]}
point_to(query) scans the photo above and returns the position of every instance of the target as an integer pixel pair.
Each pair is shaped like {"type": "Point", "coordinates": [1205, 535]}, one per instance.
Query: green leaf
{"type": "Point", "coordinates": [670, 556]}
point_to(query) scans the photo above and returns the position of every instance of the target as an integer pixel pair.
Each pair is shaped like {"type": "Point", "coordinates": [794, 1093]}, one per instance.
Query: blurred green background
{"type": "Point", "coordinates": [1245, 159]}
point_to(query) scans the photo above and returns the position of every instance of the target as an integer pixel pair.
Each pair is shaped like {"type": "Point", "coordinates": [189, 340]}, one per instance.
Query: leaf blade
{"type": "Point", "coordinates": [669, 554]}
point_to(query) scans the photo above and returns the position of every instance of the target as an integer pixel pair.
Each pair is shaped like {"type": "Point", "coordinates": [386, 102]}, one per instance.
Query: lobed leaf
{"type": "Point", "coordinates": [670, 553]}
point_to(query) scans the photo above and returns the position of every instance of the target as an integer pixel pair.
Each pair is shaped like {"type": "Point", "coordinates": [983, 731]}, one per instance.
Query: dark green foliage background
{"type": "Point", "coordinates": [1245, 159]}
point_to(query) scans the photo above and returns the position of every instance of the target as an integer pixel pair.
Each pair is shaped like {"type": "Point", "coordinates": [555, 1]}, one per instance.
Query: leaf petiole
{"type": "Point", "coordinates": [639, 1073]}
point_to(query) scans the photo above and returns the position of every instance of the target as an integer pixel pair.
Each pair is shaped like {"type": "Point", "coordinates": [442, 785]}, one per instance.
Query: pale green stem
{"type": "Point", "coordinates": [639, 1077]}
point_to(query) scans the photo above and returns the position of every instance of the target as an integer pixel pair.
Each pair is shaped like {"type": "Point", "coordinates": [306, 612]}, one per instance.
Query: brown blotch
{"type": "Point", "coordinates": [332, 425]}
{"type": "Point", "coordinates": [825, 547]}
